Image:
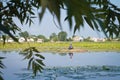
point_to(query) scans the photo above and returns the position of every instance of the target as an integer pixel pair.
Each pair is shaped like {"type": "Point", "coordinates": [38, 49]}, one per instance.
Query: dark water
{"type": "Point", "coordinates": [77, 66]}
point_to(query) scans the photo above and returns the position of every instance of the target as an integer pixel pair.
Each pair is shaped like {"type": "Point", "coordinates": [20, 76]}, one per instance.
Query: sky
{"type": "Point", "coordinates": [47, 26]}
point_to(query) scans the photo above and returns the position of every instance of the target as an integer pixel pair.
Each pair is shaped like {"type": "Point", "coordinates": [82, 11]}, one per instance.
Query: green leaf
{"type": "Point", "coordinates": [1, 78]}
{"type": "Point", "coordinates": [2, 66]}
{"type": "Point", "coordinates": [27, 19]}
{"type": "Point", "coordinates": [2, 58]}
{"type": "Point", "coordinates": [31, 12]}
{"type": "Point", "coordinates": [33, 68]}
{"type": "Point", "coordinates": [27, 49]}
{"type": "Point", "coordinates": [40, 62]}
{"type": "Point", "coordinates": [76, 27]}
{"type": "Point", "coordinates": [41, 14]}
{"type": "Point", "coordinates": [101, 23]}
{"type": "Point", "coordinates": [96, 25]}
{"type": "Point", "coordinates": [40, 56]}
{"type": "Point", "coordinates": [28, 54]}
{"type": "Point", "coordinates": [30, 61]}
{"type": "Point", "coordinates": [35, 50]}
{"type": "Point", "coordinates": [89, 22]}
{"type": "Point", "coordinates": [34, 59]}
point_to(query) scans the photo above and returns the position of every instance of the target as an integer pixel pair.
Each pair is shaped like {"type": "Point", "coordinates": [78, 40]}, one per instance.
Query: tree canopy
{"type": "Point", "coordinates": [62, 36]}
{"type": "Point", "coordinates": [42, 37]}
{"type": "Point", "coordinates": [101, 15]}
{"type": "Point", "coordinates": [24, 34]}
{"type": "Point", "coordinates": [54, 37]}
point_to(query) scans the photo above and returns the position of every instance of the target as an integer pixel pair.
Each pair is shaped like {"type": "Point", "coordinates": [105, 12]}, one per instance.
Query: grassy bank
{"type": "Point", "coordinates": [63, 46]}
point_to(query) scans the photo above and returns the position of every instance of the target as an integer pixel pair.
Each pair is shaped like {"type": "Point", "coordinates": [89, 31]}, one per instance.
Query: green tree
{"type": "Point", "coordinates": [33, 36]}
{"type": "Point", "coordinates": [88, 39]}
{"type": "Point", "coordinates": [54, 37]}
{"type": "Point", "coordinates": [24, 34]}
{"type": "Point", "coordinates": [62, 36]}
{"type": "Point", "coordinates": [42, 37]}
{"type": "Point", "coordinates": [69, 39]}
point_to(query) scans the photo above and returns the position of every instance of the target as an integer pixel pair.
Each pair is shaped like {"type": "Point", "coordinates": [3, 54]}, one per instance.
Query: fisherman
{"type": "Point", "coordinates": [70, 47]}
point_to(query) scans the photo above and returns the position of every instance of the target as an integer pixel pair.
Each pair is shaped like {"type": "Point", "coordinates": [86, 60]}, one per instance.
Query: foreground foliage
{"type": "Point", "coordinates": [2, 66]}
{"type": "Point", "coordinates": [101, 15]}
{"type": "Point", "coordinates": [35, 59]}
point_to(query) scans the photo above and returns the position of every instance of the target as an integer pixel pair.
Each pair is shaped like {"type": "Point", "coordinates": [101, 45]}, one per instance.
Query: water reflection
{"type": "Point", "coordinates": [62, 54]}
{"type": "Point", "coordinates": [71, 55]}
{"type": "Point", "coordinates": [71, 66]}
{"type": "Point", "coordinates": [74, 73]}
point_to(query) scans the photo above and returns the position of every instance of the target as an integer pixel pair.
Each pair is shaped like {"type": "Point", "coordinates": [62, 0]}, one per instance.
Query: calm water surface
{"type": "Point", "coordinates": [77, 66]}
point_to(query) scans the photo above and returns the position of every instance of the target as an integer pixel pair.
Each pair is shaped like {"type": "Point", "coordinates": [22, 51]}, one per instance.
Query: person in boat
{"type": "Point", "coordinates": [70, 47]}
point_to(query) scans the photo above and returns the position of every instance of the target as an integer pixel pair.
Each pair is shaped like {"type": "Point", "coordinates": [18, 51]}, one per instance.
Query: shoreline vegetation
{"type": "Point", "coordinates": [62, 47]}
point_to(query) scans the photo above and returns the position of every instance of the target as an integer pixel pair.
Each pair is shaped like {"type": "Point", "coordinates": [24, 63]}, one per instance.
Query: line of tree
{"type": "Point", "coordinates": [61, 36]}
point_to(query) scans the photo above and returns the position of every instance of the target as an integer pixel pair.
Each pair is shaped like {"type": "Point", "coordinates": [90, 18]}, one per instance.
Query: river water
{"type": "Point", "coordinates": [65, 66]}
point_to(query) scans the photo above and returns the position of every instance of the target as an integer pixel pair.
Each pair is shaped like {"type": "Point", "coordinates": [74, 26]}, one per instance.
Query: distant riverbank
{"type": "Point", "coordinates": [62, 47]}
